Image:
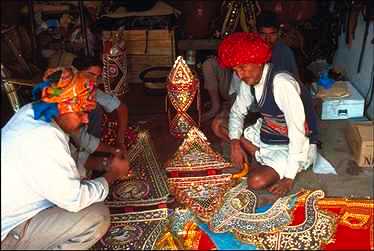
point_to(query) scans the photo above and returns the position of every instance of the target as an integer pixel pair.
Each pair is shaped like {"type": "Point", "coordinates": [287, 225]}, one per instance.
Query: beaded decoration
{"type": "Point", "coordinates": [317, 229]}
{"type": "Point", "coordinates": [195, 154]}
{"type": "Point", "coordinates": [114, 62]}
{"type": "Point", "coordinates": [244, 11]}
{"type": "Point", "coordinates": [238, 213]}
{"type": "Point", "coordinates": [203, 195]}
{"type": "Point", "coordinates": [147, 185]}
{"type": "Point", "coordinates": [135, 231]}
{"type": "Point", "coordinates": [184, 226]}
{"type": "Point", "coordinates": [355, 227]}
{"type": "Point", "coordinates": [109, 135]}
{"type": "Point", "coordinates": [182, 89]}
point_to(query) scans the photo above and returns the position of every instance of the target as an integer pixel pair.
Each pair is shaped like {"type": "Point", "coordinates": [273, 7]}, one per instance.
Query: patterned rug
{"type": "Point", "coordinates": [146, 185]}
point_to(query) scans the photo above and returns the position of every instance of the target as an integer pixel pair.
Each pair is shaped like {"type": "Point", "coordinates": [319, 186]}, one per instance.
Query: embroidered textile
{"type": "Point", "coordinates": [135, 231]}
{"type": "Point", "coordinates": [355, 225]}
{"type": "Point", "coordinates": [238, 213]}
{"type": "Point", "coordinates": [244, 11]}
{"type": "Point", "coordinates": [182, 89]}
{"type": "Point", "coordinates": [317, 229]}
{"type": "Point", "coordinates": [147, 185]}
{"type": "Point", "coordinates": [203, 195]}
{"type": "Point", "coordinates": [195, 154]}
{"type": "Point", "coordinates": [184, 226]}
{"type": "Point", "coordinates": [114, 62]}
{"type": "Point", "coordinates": [109, 127]}
{"type": "Point", "coordinates": [167, 242]}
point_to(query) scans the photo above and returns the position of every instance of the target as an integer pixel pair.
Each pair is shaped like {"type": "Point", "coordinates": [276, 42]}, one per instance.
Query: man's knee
{"type": "Point", "coordinates": [217, 125]}
{"type": "Point", "coordinates": [99, 214]}
{"type": "Point", "coordinates": [256, 182]}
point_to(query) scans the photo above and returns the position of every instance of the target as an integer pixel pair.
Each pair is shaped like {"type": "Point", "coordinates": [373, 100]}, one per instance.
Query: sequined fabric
{"type": "Point", "coordinates": [182, 88]}
{"type": "Point", "coordinates": [184, 226]}
{"type": "Point", "coordinates": [135, 231]}
{"type": "Point", "coordinates": [147, 185]}
{"type": "Point", "coordinates": [239, 11]}
{"type": "Point", "coordinates": [237, 214]}
{"type": "Point", "coordinates": [115, 63]}
{"type": "Point", "coordinates": [355, 225]}
{"type": "Point", "coordinates": [203, 195]}
{"type": "Point", "coordinates": [317, 229]}
{"type": "Point", "coordinates": [109, 127]}
{"type": "Point", "coordinates": [195, 154]}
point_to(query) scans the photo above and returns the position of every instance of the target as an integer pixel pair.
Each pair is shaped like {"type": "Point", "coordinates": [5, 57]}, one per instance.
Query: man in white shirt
{"type": "Point", "coordinates": [44, 202]}
{"type": "Point", "coordinates": [283, 141]}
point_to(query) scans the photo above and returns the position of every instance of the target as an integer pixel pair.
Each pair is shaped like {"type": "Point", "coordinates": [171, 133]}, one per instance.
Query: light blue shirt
{"type": "Point", "coordinates": [38, 172]}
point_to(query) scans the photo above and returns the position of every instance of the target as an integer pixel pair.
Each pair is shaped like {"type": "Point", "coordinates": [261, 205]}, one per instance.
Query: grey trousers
{"type": "Point", "coordinates": [58, 229]}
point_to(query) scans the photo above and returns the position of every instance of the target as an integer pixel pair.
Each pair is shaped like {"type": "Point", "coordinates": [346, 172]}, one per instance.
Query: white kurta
{"type": "Point", "coordinates": [286, 160]}
{"type": "Point", "coordinates": [38, 172]}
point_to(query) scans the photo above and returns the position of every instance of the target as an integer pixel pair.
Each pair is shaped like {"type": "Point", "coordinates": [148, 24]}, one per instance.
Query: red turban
{"type": "Point", "coordinates": [243, 48]}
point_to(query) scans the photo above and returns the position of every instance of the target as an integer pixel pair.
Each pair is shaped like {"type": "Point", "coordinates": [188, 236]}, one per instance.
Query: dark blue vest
{"type": "Point", "coordinates": [274, 128]}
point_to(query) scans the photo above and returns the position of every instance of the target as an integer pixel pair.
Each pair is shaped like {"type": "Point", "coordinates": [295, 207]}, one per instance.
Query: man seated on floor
{"type": "Point", "coordinates": [44, 202]}
{"type": "Point", "coordinates": [88, 140]}
{"type": "Point", "coordinates": [222, 86]}
{"type": "Point", "coordinates": [283, 141]}
{"type": "Point", "coordinates": [282, 57]}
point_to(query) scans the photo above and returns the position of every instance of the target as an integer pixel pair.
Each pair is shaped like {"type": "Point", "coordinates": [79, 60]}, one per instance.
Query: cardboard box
{"type": "Point", "coordinates": [360, 137]}
{"type": "Point", "coordinates": [343, 108]}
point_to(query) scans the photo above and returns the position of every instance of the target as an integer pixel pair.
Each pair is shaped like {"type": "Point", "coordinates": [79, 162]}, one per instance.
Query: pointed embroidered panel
{"type": "Point", "coordinates": [195, 154]}
{"type": "Point", "coordinates": [317, 229]}
{"type": "Point", "coordinates": [182, 85]}
{"type": "Point", "coordinates": [180, 74]}
{"type": "Point", "coordinates": [147, 185]}
{"type": "Point", "coordinates": [181, 124]}
{"type": "Point", "coordinates": [182, 89]}
{"type": "Point", "coordinates": [203, 195]}
{"type": "Point", "coordinates": [135, 231]}
{"type": "Point", "coordinates": [238, 213]}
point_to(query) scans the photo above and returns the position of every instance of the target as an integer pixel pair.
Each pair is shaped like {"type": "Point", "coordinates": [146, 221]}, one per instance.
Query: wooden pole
{"type": "Point", "coordinates": [83, 26]}
{"type": "Point", "coordinates": [33, 34]}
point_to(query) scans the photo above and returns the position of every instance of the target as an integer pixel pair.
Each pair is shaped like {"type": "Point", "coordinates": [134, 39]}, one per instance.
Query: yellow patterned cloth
{"type": "Point", "coordinates": [73, 92]}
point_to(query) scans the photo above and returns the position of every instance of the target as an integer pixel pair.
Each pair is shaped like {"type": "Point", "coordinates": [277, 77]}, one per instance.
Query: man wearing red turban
{"type": "Point", "coordinates": [283, 141]}
{"type": "Point", "coordinates": [45, 203]}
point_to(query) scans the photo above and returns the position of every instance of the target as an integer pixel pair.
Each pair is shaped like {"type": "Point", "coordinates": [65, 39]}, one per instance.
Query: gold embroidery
{"type": "Point", "coordinates": [192, 237]}
{"type": "Point", "coordinates": [182, 89]}
{"type": "Point", "coordinates": [135, 230]}
{"type": "Point", "coordinates": [203, 195]}
{"type": "Point", "coordinates": [238, 213]}
{"type": "Point", "coordinates": [195, 154]}
{"type": "Point", "coordinates": [317, 229]}
{"type": "Point", "coordinates": [148, 185]}
{"type": "Point", "coordinates": [355, 221]}
{"type": "Point", "coordinates": [167, 242]}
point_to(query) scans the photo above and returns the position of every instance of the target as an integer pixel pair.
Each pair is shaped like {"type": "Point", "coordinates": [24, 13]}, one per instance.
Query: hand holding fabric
{"type": "Point", "coordinates": [119, 169]}
{"type": "Point", "coordinates": [238, 156]}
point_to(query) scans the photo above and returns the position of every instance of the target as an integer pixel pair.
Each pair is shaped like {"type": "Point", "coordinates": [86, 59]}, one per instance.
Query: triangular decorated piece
{"type": "Point", "coordinates": [195, 154]}
{"type": "Point", "coordinates": [203, 195]}
{"type": "Point", "coordinates": [147, 186]}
